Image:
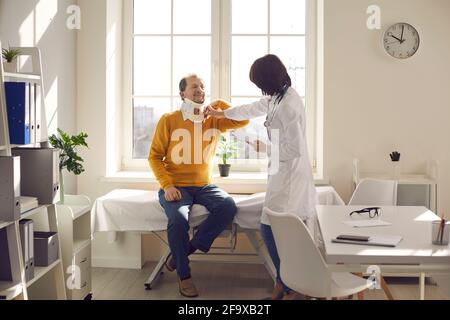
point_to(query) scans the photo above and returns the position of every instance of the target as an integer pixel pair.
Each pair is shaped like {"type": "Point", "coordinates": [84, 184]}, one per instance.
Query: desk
{"type": "Point", "coordinates": [415, 253]}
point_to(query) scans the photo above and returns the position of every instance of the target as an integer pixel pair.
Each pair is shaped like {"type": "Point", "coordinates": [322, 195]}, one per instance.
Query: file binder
{"type": "Point", "coordinates": [18, 106]}
{"type": "Point", "coordinates": [27, 241]}
{"type": "Point", "coordinates": [5, 262]}
{"type": "Point", "coordinates": [38, 112]}
{"type": "Point", "coordinates": [9, 188]}
{"type": "Point", "coordinates": [32, 114]}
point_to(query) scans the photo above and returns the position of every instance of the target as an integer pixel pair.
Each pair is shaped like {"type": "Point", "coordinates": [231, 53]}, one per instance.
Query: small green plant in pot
{"type": "Point", "coordinates": [227, 149]}
{"type": "Point", "coordinates": [10, 57]}
{"type": "Point", "coordinates": [68, 157]}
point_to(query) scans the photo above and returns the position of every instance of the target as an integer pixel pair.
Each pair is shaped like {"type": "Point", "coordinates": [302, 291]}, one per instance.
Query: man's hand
{"type": "Point", "coordinates": [172, 194]}
{"type": "Point", "coordinates": [214, 111]}
{"type": "Point", "coordinates": [258, 145]}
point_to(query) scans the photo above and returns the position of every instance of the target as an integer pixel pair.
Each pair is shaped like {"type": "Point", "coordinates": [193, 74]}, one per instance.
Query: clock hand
{"type": "Point", "coordinates": [397, 38]}
{"type": "Point", "coordinates": [403, 29]}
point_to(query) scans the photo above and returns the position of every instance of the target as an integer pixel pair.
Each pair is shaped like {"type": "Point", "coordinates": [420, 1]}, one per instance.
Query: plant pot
{"type": "Point", "coordinates": [10, 66]}
{"type": "Point", "coordinates": [224, 169]}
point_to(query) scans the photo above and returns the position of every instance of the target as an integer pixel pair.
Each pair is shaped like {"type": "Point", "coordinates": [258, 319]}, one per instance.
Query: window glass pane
{"type": "Point", "coordinates": [146, 114]}
{"type": "Point", "coordinates": [287, 16]}
{"type": "Point", "coordinates": [152, 66]}
{"type": "Point", "coordinates": [245, 50]}
{"type": "Point", "coordinates": [254, 131]}
{"type": "Point", "coordinates": [152, 16]}
{"type": "Point", "coordinates": [191, 16]}
{"type": "Point", "coordinates": [158, 67]}
{"type": "Point", "coordinates": [291, 51]}
{"type": "Point", "coordinates": [249, 16]}
{"type": "Point", "coordinates": [192, 55]}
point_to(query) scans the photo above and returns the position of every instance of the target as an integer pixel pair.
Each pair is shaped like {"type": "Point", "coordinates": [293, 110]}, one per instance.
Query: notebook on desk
{"type": "Point", "coordinates": [377, 240]}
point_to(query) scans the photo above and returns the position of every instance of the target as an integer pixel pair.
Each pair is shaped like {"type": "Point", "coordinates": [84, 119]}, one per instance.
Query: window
{"type": "Point", "coordinates": [166, 40]}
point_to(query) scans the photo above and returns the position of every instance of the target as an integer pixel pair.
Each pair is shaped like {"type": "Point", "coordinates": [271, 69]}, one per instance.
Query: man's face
{"type": "Point", "coordinates": [194, 90]}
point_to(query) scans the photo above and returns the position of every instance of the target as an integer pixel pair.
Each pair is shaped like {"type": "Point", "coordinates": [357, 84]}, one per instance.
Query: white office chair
{"type": "Point", "coordinates": [303, 268]}
{"type": "Point", "coordinates": [372, 192]}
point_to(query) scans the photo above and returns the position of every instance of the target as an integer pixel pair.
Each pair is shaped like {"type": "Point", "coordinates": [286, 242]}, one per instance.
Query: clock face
{"type": "Point", "coordinates": [401, 40]}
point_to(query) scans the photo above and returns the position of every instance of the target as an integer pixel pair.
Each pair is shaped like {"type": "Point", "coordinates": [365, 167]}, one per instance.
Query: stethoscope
{"type": "Point", "coordinates": [269, 119]}
{"type": "Point", "coordinates": [274, 110]}
{"type": "Point", "coordinates": [270, 116]}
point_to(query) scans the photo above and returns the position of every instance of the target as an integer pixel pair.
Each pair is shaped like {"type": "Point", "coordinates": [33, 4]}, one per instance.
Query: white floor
{"type": "Point", "coordinates": [222, 281]}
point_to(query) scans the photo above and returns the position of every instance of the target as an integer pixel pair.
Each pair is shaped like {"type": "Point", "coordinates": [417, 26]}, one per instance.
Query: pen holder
{"type": "Point", "coordinates": [440, 232]}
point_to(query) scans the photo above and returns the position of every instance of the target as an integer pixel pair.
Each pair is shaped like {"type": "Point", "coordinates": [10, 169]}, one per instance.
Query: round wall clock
{"type": "Point", "coordinates": [401, 40]}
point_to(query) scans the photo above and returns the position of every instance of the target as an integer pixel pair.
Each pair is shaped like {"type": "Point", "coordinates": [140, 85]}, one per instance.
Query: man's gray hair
{"type": "Point", "coordinates": [183, 82]}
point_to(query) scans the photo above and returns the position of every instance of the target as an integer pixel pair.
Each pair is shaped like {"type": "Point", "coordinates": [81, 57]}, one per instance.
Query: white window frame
{"type": "Point", "coordinates": [220, 80]}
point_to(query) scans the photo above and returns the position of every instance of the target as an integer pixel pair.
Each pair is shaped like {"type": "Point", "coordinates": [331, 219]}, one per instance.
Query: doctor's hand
{"type": "Point", "coordinates": [214, 112]}
{"type": "Point", "coordinates": [258, 145]}
{"type": "Point", "coordinates": [172, 194]}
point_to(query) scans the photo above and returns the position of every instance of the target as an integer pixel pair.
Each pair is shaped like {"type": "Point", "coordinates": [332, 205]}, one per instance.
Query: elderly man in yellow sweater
{"type": "Point", "coordinates": [180, 156]}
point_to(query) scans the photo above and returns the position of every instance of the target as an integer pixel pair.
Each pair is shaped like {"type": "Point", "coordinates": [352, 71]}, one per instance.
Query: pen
{"type": "Point", "coordinates": [441, 229]}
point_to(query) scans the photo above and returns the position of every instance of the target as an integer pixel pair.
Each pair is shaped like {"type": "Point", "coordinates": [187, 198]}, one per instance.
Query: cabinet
{"type": "Point", "coordinates": [74, 223]}
{"type": "Point", "coordinates": [419, 189]}
{"type": "Point", "coordinates": [48, 282]}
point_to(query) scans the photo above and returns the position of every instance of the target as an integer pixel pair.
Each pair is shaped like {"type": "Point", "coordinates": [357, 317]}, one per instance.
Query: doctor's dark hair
{"type": "Point", "coordinates": [270, 75]}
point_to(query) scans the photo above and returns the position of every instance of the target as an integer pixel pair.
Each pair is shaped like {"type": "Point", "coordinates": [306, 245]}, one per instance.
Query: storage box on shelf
{"type": "Point", "coordinates": [9, 188]}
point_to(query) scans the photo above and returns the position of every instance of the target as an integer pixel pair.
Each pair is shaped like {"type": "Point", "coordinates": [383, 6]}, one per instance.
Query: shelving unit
{"type": "Point", "coordinates": [419, 189]}
{"type": "Point", "coordinates": [28, 214]}
{"type": "Point", "coordinates": [10, 292]}
{"type": "Point", "coordinates": [23, 76]}
{"type": "Point", "coordinates": [74, 222]}
{"type": "Point", "coordinates": [48, 282]}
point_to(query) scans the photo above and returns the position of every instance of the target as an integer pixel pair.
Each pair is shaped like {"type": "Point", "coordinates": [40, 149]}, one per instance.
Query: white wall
{"type": "Point", "coordinates": [99, 66]}
{"type": "Point", "coordinates": [42, 23]}
{"type": "Point", "coordinates": [374, 104]}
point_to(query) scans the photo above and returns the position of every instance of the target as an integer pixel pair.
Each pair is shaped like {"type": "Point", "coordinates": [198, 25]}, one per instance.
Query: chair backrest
{"type": "Point", "coordinates": [373, 192]}
{"type": "Point", "coordinates": [303, 268]}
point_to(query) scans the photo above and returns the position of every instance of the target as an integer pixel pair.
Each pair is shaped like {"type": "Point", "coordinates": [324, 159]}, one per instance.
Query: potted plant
{"type": "Point", "coordinates": [10, 56]}
{"type": "Point", "coordinates": [68, 157]}
{"type": "Point", "coordinates": [227, 149]}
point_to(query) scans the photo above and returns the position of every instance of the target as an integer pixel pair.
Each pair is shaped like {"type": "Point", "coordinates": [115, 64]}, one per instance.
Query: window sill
{"type": "Point", "coordinates": [235, 178]}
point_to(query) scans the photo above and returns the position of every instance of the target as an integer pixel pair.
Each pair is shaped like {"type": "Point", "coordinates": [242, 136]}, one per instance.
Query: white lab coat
{"type": "Point", "coordinates": [290, 189]}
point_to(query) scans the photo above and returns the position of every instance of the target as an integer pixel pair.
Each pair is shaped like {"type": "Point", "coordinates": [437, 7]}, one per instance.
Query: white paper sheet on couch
{"type": "Point", "coordinates": [139, 210]}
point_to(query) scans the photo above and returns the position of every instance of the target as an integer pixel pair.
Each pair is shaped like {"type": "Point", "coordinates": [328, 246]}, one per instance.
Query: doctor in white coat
{"type": "Point", "coordinates": [290, 185]}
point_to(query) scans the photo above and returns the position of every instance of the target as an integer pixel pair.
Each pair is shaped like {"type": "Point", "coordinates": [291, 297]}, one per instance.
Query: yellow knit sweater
{"type": "Point", "coordinates": [181, 152]}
